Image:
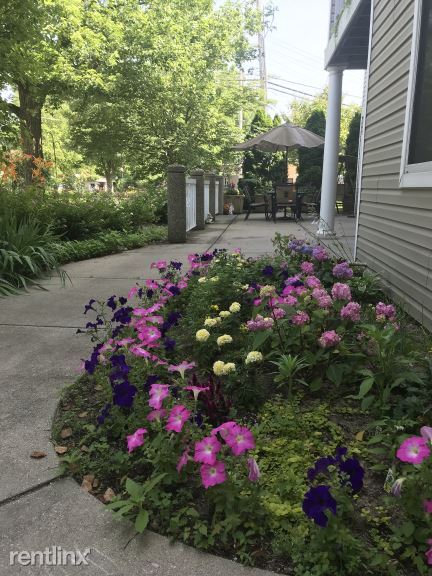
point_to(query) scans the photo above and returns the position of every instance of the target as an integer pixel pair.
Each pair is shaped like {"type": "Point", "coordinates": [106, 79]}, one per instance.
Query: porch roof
{"type": "Point", "coordinates": [349, 37]}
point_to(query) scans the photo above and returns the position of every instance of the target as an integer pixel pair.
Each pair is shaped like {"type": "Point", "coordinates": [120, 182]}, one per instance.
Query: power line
{"type": "Point", "coordinates": [308, 86]}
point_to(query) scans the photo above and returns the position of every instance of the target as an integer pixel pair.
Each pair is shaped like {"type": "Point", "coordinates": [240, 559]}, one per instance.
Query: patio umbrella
{"type": "Point", "coordinates": [282, 138]}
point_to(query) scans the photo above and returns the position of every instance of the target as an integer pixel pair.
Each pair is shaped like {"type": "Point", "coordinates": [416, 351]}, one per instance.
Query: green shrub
{"type": "Point", "coordinates": [25, 253]}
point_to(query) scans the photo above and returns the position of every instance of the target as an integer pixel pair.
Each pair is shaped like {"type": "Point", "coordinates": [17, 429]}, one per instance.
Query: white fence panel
{"type": "Point", "coordinates": [217, 184]}
{"type": "Point", "coordinates": [190, 204]}
{"type": "Point", "coordinates": [206, 198]}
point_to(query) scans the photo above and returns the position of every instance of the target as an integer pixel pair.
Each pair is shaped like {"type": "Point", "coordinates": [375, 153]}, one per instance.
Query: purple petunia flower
{"type": "Point", "coordinates": [316, 501]}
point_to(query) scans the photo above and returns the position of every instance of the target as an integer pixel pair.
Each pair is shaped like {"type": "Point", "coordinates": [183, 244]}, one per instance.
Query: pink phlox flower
{"type": "Point", "coordinates": [206, 450]}
{"type": "Point", "coordinates": [177, 418]}
{"type": "Point", "coordinates": [274, 301]}
{"type": "Point", "coordinates": [157, 394]}
{"type": "Point", "coordinates": [313, 282]}
{"type": "Point", "coordinates": [183, 460]}
{"type": "Point", "coordinates": [224, 429]}
{"type": "Point", "coordinates": [300, 318]}
{"type": "Point", "coordinates": [341, 291]}
{"type": "Point", "coordinates": [413, 450]}
{"type": "Point", "coordinates": [254, 471]}
{"type": "Point", "coordinates": [385, 311]}
{"type": "Point", "coordinates": [196, 390]}
{"type": "Point", "coordinates": [351, 312]}
{"type": "Point", "coordinates": [342, 270]}
{"type": "Point", "coordinates": [292, 280]}
{"type": "Point", "coordinates": [299, 290]}
{"type": "Point", "coordinates": [182, 284]}
{"type": "Point", "coordinates": [320, 253]}
{"type": "Point", "coordinates": [159, 264]}
{"type": "Point", "coordinates": [182, 367]}
{"type": "Point", "coordinates": [307, 268]}
{"type": "Point", "coordinates": [328, 339]}
{"type": "Point", "coordinates": [257, 301]}
{"type": "Point", "coordinates": [136, 439]}
{"type": "Point", "coordinates": [322, 297]}
{"type": "Point", "coordinates": [290, 300]}
{"type": "Point", "coordinates": [259, 323]}
{"type": "Point", "coordinates": [213, 474]}
{"type": "Point", "coordinates": [156, 415]}
{"type": "Point", "coordinates": [279, 313]}
{"type": "Point", "coordinates": [240, 440]}
{"type": "Point", "coordinates": [288, 290]}
{"type": "Point", "coordinates": [427, 505]}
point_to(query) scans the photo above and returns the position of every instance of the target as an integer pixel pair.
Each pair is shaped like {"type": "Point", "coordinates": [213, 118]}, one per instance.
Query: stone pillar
{"type": "Point", "coordinates": [176, 176]}
{"type": "Point", "coordinates": [199, 179]}
{"type": "Point", "coordinates": [212, 195]}
{"type": "Point", "coordinates": [331, 154]}
{"type": "Point", "coordinates": [221, 193]}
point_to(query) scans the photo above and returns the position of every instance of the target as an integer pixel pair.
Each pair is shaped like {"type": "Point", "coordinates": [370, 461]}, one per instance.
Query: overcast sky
{"type": "Point", "coordinates": [295, 53]}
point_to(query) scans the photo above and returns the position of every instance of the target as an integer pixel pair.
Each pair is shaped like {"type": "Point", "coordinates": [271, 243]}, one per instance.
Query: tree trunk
{"type": "Point", "coordinates": [109, 173]}
{"type": "Point", "coordinates": [30, 115]}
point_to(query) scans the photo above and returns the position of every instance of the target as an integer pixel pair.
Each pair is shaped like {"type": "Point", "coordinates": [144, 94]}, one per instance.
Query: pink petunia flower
{"type": "Point", "coordinates": [156, 415]}
{"type": "Point", "coordinates": [426, 433]}
{"type": "Point", "coordinates": [152, 284]}
{"type": "Point", "coordinates": [224, 429]}
{"type": "Point", "coordinates": [125, 341]}
{"type": "Point", "coordinates": [149, 334]}
{"type": "Point", "coordinates": [206, 450]}
{"type": "Point", "coordinates": [413, 450]}
{"type": "Point", "coordinates": [136, 439]}
{"type": "Point", "coordinates": [183, 460]}
{"type": "Point", "coordinates": [328, 339]}
{"type": "Point", "coordinates": [254, 471]}
{"type": "Point", "coordinates": [177, 418]}
{"type": "Point", "coordinates": [182, 367]}
{"type": "Point", "coordinates": [157, 393]}
{"type": "Point", "coordinates": [428, 553]}
{"type": "Point", "coordinates": [160, 264]}
{"type": "Point", "coordinates": [196, 390]}
{"type": "Point", "coordinates": [427, 505]}
{"type": "Point", "coordinates": [240, 440]}
{"type": "Point", "coordinates": [213, 474]}
{"type": "Point", "coordinates": [132, 292]}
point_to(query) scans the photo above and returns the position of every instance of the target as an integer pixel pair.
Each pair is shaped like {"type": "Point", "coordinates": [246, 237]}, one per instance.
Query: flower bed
{"type": "Point", "coordinates": [253, 408]}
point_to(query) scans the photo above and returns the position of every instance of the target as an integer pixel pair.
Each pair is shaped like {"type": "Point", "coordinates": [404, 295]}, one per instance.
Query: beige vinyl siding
{"type": "Point", "coordinates": [395, 225]}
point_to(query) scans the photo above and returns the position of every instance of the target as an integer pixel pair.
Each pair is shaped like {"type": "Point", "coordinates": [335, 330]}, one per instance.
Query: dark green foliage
{"type": "Point", "coordinates": [311, 160]}
{"type": "Point", "coordinates": [106, 243]}
{"type": "Point", "coordinates": [351, 154]}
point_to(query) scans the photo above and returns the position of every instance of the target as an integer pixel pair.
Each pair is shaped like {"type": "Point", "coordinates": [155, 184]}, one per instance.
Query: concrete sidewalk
{"type": "Point", "coordinates": [40, 354]}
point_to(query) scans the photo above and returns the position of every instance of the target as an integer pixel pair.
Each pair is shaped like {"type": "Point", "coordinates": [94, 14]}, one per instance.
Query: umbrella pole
{"type": "Point", "coordinates": [286, 164]}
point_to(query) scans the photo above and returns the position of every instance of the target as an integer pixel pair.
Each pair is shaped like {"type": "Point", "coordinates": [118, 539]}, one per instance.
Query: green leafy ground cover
{"type": "Point", "coordinates": [320, 387]}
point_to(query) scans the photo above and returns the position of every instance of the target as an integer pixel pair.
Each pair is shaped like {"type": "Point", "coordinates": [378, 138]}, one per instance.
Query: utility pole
{"type": "Point", "coordinates": [262, 56]}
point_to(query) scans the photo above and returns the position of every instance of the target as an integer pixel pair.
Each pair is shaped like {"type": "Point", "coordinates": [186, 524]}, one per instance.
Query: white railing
{"type": "Point", "coordinates": [190, 204]}
{"type": "Point", "coordinates": [206, 198]}
{"type": "Point", "coordinates": [217, 183]}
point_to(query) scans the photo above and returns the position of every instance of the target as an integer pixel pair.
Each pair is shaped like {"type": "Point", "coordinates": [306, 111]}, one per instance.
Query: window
{"type": "Point", "coordinates": [417, 156]}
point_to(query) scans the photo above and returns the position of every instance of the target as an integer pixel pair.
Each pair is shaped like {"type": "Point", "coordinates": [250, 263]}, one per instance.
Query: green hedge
{"type": "Point", "coordinates": [107, 243]}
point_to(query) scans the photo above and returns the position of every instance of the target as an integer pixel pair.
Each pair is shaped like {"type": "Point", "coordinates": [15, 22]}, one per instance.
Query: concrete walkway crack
{"type": "Point", "coordinates": [30, 490]}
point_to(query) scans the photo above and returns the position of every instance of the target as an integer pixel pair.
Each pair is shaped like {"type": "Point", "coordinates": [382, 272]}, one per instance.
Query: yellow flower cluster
{"type": "Point", "coordinates": [202, 335]}
{"type": "Point", "coordinates": [267, 290]}
{"type": "Point", "coordinates": [202, 280]}
{"type": "Point", "coordinates": [212, 322]}
{"type": "Point", "coordinates": [254, 358]}
{"type": "Point", "coordinates": [214, 307]}
{"type": "Point", "coordinates": [224, 313]}
{"type": "Point", "coordinates": [222, 369]}
{"type": "Point", "coordinates": [225, 339]}
{"type": "Point", "coordinates": [214, 279]}
{"type": "Point", "coordinates": [235, 307]}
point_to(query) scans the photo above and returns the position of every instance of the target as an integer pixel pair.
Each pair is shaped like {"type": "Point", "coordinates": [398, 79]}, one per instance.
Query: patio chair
{"type": "Point", "coordinates": [310, 199]}
{"type": "Point", "coordinates": [286, 199]}
{"type": "Point", "coordinates": [254, 205]}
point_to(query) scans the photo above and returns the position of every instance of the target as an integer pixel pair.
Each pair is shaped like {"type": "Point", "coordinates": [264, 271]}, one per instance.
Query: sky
{"type": "Point", "coordinates": [295, 54]}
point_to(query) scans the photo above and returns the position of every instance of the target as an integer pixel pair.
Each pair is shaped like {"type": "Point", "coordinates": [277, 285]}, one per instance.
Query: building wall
{"type": "Point", "coordinates": [395, 225]}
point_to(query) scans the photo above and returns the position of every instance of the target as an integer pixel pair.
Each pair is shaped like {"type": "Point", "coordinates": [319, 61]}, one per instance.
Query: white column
{"type": "Point", "coordinates": [331, 153]}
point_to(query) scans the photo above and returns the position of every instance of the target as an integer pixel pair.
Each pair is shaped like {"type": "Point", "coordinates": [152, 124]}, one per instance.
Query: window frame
{"type": "Point", "coordinates": [413, 175]}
